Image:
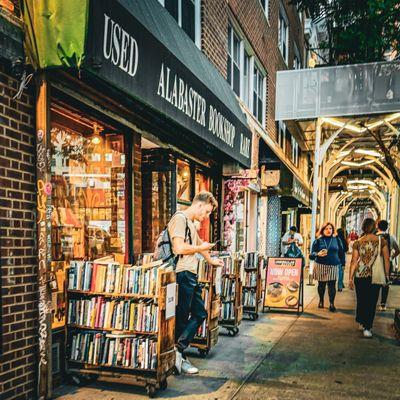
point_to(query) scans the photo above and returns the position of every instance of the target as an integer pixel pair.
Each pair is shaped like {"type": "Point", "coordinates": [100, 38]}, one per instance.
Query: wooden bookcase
{"type": "Point", "coordinates": [209, 339]}
{"type": "Point", "coordinates": [234, 300]}
{"type": "Point", "coordinates": [151, 379]}
{"type": "Point", "coordinates": [252, 265]}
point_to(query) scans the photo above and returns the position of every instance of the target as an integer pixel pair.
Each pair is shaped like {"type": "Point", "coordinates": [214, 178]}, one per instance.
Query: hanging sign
{"type": "Point", "coordinates": [284, 283]}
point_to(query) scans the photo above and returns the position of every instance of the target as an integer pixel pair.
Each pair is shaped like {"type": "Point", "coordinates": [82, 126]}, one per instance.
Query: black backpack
{"type": "Point", "coordinates": [163, 249]}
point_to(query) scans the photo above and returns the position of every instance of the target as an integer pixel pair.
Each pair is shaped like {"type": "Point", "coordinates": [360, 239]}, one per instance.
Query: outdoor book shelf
{"type": "Point", "coordinates": [121, 325]}
{"type": "Point", "coordinates": [252, 284]}
{"type": "Point", "coordinates": [231, 294]}
{"type": "Point", "coordinates": [209, 278]}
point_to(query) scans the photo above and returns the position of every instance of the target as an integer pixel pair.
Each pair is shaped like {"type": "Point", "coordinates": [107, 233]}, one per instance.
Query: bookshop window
{"type": "Point", "coordinates": [88, 195]}
{"type": "Point", "coordinates": [203, 183]}
{"type": "Point", "coordinates": [183, 183]}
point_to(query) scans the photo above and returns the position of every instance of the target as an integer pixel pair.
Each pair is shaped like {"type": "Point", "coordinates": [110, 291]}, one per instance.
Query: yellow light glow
{"type": "Point", "coordinates": [96, 140]}
{"type": "Point", "coordinates": [357, 164]}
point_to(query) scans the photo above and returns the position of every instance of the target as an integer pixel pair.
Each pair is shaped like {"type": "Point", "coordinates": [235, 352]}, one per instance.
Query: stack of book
{"type": "Point", "coordinates": [204, 271]}
{"type": "Point", "coordinates": [228, 289]}
{"type": "Point", "coordinates": [127, 351]}
{"type": "Point", "coordinates": [229, 266]}
{"type": "Point", "coordinates": [227, 311]}
{"type": "Point", "coordinates": [250, 279]}
{"type": "Point", "coordinates": [250, 261]}
{"type": "Point", "coordinates": [202, 331]}
{"type": "Point", "coordinates": [113, 278]}
{"type": "Point", "coordinates": [249, 298]}
{"type": "Point", "coordinates": [99, 312]}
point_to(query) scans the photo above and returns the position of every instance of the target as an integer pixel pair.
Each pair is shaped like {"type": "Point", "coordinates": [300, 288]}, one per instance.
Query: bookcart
{"type": "Point", "coordinates": [209, 278]}
{"type": "Point", "coordinates": [121, 323]}
{"type": "Point", "coordinates": [252, 284]}
{"type": "Point", "coordinates": [231, 294]}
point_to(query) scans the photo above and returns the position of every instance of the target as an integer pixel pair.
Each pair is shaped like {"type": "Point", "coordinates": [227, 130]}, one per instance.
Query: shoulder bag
{"type": "Point", "coordinates": [378, 268]}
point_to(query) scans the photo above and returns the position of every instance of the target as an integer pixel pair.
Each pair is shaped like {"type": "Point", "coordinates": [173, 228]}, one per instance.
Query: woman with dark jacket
{"type": "Point", "coordinates": [328, 253]}
{"type": "Point", "coordinates": [343, 239]}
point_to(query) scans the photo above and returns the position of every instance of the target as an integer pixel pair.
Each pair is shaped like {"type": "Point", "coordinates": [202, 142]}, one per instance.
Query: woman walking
{"type": "Point", "coordinates": [341, 236]}
{"type": "Point", "coordinates": [329, 256]}
{"type": "Point", "coordinates": [366, 251]}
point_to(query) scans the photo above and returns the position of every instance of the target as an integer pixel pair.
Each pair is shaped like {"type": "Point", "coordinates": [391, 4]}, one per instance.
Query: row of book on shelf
{"type": "Point", "coordinates": [114, 278]}
{"type": "Point", "coordinates": [227, 311]}
{"type": "Point", "coordinates": [99, 312]}
{"type": "Point", "coordinates": [96, 348]}
{"type": "Point", "coordinates": [250, 278]}
{"type": "Point", "coordinates": [249, 298]}
{"type": "Point", "coordinates": [228, 288]}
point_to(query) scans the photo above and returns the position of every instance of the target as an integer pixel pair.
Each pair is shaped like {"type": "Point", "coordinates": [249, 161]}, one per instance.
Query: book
{"type": "Point", "coordinates": [100, 312]}
{"type": "Point", "coordinates": [97, 348]}
{"type": "Point", "coordinates": [249, 298]}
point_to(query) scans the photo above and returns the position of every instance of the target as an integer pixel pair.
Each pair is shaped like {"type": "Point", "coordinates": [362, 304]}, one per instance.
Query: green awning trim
{"type": "Point", "coordinates": [55, 32]}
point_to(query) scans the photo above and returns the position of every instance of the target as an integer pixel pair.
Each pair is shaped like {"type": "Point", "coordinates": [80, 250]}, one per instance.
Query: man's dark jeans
{"type": "Point", "coordinates": [190, 312]}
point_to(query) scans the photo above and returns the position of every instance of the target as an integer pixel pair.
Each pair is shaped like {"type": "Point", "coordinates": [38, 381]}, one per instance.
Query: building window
{"type": "Point", "coordinates": [265, 6]}
{"type": "Point", "coordinates": [281, 134]}
{"type": "Point", "coordinates": [187, 14]}
{"type": "Point", "coordinates": [296, 58]}
{"type": "Point", "coordinates": [246, 79]}
{"type": "Point", "coordinates": [283, 35]}
{"type": "Point", "coordinates": [258, 94]}
{"type": "Point", "coordinates": [184, 183]}
{"type": "Point", "coordinates": [295, 151]}
{"type": "Point", "coordinates": [233, 60]}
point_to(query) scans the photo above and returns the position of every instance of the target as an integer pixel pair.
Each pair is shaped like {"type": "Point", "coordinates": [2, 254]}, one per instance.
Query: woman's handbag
{"type": "Point", "coordinates": [378, 268]}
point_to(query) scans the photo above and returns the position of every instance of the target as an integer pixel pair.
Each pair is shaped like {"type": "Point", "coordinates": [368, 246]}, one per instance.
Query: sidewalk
{"type": "Point", "coordinates": [317, 356]}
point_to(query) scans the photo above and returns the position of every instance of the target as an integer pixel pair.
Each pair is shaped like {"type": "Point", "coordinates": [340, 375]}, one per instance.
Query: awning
{"type": "Point", "coordinates": [137, 47]}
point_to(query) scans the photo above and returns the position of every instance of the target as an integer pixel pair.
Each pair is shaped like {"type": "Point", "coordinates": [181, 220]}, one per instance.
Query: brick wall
{"type": "Point", "coordinates": [18, 361]}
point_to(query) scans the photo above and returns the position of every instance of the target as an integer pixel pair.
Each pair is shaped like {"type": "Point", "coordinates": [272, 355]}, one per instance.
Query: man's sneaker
{"type": "Point", "coordinates": [382, 307]}
{"type": "Point", "coordinates": [360, 327]}
{"type": "Point", "coordinates": [178, 361]}
{"type": "Point", "coordinates": [188, 368]}
{"type": "Point", "coordinates": [367, 333]}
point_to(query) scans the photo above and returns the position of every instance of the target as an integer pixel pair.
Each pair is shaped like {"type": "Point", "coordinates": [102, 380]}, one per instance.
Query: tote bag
{"type": "Point", "coordinates": [378, 268]}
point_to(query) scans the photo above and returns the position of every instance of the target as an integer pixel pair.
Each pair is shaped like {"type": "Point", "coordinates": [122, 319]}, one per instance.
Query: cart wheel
{"type": "Point", "coordinates": [253, 317]}
{"type": "Point", "coordinates": [163, 384]}
{"type": "Point", "coordinates": [76, 380]}
{"type": "Point", "coordinates": [231, 332]}
{"type": "Point", "coordinates": [203, 353]}
{"type": "Point", "coordinates": [256, 314]}
{"type": "Point", "coordinates": [235, 330]}
{"type": "Point", "coordinates": [150, 390]}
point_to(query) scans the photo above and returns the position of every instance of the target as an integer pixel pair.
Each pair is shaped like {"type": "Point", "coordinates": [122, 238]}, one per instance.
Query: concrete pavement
{"type": "Point", "coordinates": [317, 356]}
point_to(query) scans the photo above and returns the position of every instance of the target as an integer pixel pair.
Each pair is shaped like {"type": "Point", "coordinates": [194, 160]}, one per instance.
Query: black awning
{"type": "Point", "coordinates": [138, 47]}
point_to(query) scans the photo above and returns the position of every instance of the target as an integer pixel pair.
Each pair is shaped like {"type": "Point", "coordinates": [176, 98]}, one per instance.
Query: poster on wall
{"type": "Point", "coordinates": [284, 284]}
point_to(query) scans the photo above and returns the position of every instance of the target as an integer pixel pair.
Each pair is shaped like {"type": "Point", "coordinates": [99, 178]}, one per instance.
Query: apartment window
{"type": "Point", "coordinates": [246, 79]}
{"type": "Point", "coordinates": [233, 60]}
{"type": "Point", "coordinates": [295, 151]}
{"type": "Point", "coordinates": [283, 35]}
{"type": "Point", "coordinates": [258, 94]}
{"type": "Point", "coordinates": [296, 58]}
{"type": "Point", "coordinates": [281, 134]}
{"type": "Point", "coordinates": [187, 14]}
{"type": "Point", "coordinates": [265, 6]}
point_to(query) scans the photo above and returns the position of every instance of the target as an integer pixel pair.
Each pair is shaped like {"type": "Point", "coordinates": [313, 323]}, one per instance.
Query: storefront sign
{"type": "Point", "coordinates": [130, 57]}
{"type": "Point", "coordinates": [338, 183]}
{"type": "Point", "coordinates": [283, 284]}
{"type": "Point", "coordinates": [300, 192]}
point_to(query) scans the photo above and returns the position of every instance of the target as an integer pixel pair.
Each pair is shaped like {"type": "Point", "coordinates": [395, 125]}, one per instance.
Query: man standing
{"type": "Point", "coordinates": [394, 251]}
{"type": "Point", "coordinates": [292, 236]}
{"type": "Point", "coordinates": [190, 312]}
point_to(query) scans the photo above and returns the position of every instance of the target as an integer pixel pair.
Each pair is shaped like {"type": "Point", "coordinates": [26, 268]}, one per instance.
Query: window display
{"type": "Point", "coordinates": [183, 182]}
{"type": "Point", "coordinates": [88, 197]}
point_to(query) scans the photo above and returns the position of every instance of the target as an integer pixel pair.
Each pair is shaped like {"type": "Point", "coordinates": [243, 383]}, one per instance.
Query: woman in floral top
{"type": "Point", "coordinates": [365, 252]}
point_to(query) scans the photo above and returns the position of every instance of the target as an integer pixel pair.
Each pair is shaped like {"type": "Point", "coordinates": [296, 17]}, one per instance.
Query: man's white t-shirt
{"type": "Point", "coordinates": [286, 237]}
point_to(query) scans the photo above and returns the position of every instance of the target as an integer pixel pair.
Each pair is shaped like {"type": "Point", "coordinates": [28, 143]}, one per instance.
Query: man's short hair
{"type": "Point", "coordinates": [383, 225]}
{"type": "Point", "coordinates": [206, 197]}
{"type": "Point", "coordinates": [293, 229]}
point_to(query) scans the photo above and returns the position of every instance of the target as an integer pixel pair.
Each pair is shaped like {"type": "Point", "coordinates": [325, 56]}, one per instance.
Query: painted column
{"type": "Point", "coordinates": [43, 177]}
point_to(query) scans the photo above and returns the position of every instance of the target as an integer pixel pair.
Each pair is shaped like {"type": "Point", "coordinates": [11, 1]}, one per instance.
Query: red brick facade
{"type": "Point", "coordinates": [260, 33]}
{"type": "Point", "coordinates": [18, 362]}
